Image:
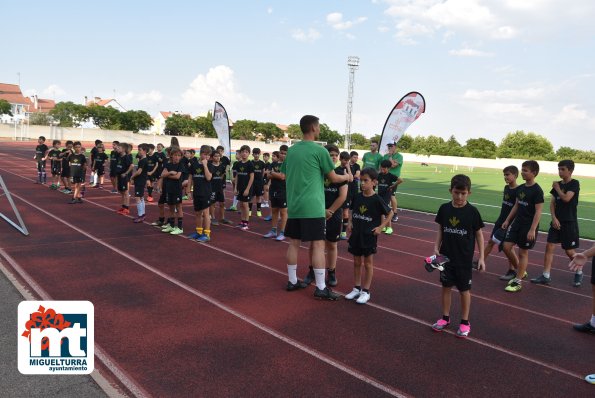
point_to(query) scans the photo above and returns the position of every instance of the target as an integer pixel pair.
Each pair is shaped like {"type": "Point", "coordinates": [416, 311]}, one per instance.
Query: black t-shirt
{"type": "Point", "coordinates": [54, 153]}
{"type": "Point", "coordinates": [100, 159]}
{"type": "Point", "coordinates": [459, 225]}
{"type": "Point", "coordinates": [508, 201]}
{"type": "Point", "coordinates": [225, 161]}
{"type": "Point", "coordinates": [259, 167]}
{"type": "Point", "coordinates": [527, 198]}
{"type": "Point", "coordinates": [186, 162]}
{"type": "Point", "coordinates": [218, 177]}
{"type": "Point", "coordinates": [385, 180]}
{"type": "Point", "coordinates": [366, 214]}
{"type": "Point", "coordinates": [123, 164]}
{"type": "Point", "coordinates": [161, 160]}
{"type": "Point", "coordinates": [40, 151]}
{"type": "Point", "coordinates": [76, 163]}
{"type": "Point", "coordinates": [65, 155]}
{"type": "Point", "coordinates": [202, 187]}
{"type": "Point", "coordinates": [151, 162]}
{"type": "Point", "coordinates": [566, 211]}
{"type": "Point", "coordinates": [233, 166]}
{"type": "Point", "coordinates": [94, 152]}
{"type": "Point", "coordinates": [277, 188]}
{"type": "Point", "coordinates": [143, 164]}
{"type": "Point", "coordinates": [243, 171]}
{"type": "Point", "coordinates": [170, 185]}
{"type": "Point", "coordinates": [354, 184]}
{"type": "Point", "coordinates": [113, 159]}
{"type": "Point", "coordinates": [331, 190]}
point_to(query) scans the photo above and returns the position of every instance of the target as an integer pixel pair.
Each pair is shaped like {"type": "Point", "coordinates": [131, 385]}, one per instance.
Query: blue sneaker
{"type": "Point", "coordinates": [203, 238]}
{"type": "Point", "coordinates": [280, 237]}
{"type": "Point", "coordinates": [268, 218]}
{"type": "Point", "coordinates": [270, 234]}
{"type": "Point", "coordinates": [194, 236]}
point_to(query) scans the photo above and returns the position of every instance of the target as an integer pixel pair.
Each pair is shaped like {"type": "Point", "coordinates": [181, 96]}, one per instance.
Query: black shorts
{"type": "Point", "coordinates": [56, 169]}
{"type": "Point", "coordinates": [122, 183]}
{"type": "Point", "coordinates": [41, 165]}
{"type": "Point", "coordinates": [201, 202]}
{"type": "Point", "coordinates": [113, 172]}
{"type": "Point", "coordinates": [242, 198]}
{"type": "Point", "coordinates": [361, 251]}
{"type": "Point", "coordinates": [333, 227]}
{"type": "Point", "coordinates": [386, 197]}
{"type": "Point", "coordinates": [139, 188]}
{"type": "Point", "coordinates": [152, 177]}
{"type": "Point", "coordinates": [100, 171]}
{"type": "Point", "coordinates": [171, 198]}
{"type": "Point", "coordinates": [279, 203]}
{"type": "Point", "coordinates": [517, 234]}
{"type": "Point", "coordinates": [593, 271]}
{"type": "Point", "coordinates": [217, 197]}
{"type": "Point", "coordinates": [306, 229]}
{"type": "Point", "coordinates": [258, 190]}
{"type": "Point", "coordinates": [66, 172]}
{"type": "Point", "coordinates": [457, 276]}
{"type": "Point", "coordinates": [78, 180]}
{"type": "Point", "coordinates": [567, 235]}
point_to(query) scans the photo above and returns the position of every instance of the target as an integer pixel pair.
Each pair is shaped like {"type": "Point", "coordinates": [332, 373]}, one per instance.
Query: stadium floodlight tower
{"type": "Point", "coordinates": [353, 65]}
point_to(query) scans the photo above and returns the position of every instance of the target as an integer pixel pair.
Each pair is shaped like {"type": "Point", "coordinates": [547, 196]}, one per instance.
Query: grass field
{"type": "Point", "coordinates": [426, 187]}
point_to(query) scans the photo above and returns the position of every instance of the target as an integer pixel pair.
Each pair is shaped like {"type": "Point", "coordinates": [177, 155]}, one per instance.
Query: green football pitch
{"type": "Point", "coordinates": [426, 187]}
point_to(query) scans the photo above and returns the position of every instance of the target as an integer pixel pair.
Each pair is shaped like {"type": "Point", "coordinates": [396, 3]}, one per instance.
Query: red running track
{"type": "Point", "coordinates": [179, 318]}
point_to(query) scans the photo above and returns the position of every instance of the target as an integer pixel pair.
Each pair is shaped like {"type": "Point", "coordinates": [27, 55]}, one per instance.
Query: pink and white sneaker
{"type": "Point", "coordinates": [463, 331]}
{"type": "Point", "coordinates": [440, 325]}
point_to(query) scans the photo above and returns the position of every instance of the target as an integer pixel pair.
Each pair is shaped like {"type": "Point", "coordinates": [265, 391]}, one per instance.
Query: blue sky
{"type": "Point", "coordinates": [485, 67]}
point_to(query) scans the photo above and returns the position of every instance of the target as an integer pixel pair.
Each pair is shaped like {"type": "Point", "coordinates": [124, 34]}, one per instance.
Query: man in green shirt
{"type": "Point", "coordinates": [305, 167]}
{"type": "Point", "coordinates": [396, 160]}
{"type": "Point", "coordinates": [372, 159]}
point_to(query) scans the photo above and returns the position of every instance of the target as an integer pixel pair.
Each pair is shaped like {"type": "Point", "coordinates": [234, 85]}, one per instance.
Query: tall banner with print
{"type": "Point", "coordinates": [221, 126]}
{"type": "Point", "coordinates": [407, 110]}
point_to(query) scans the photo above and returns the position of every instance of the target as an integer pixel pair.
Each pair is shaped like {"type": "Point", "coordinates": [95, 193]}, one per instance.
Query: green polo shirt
{"type": "Point", "coordinates": [399, 159]}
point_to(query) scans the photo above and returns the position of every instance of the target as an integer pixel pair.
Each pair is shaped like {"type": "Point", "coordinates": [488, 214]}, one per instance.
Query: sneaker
{"type": "Point", "coordinates": [139, 219]}
{"type": "Point", "coordinates": [332, 278]}
{"type": "Point", "coordinates": [513, 287]}
{"type": "Point", "coordinates": [249, 213]}
{"type": "Point", "coordinates": [125, 212]}
{"type": "Point", "coordinates": [326, 294]}
{"type": "Point", "coordinates": [578, 280]}
{"type": "Point", "coordinates": [226, 221]}
{"type": "Point", "coordinates": [395, 218]}
{"type": "Point", "coordinates": [383, 229]}
{"type": "Point", "coordinates": [150, 199]}
{"type": "Point", "coordinates": [203, 238]}
{"type": "Point", "coordinates": [244, 227]}
{"type": "Point", "coordinates": [353, 294]}
{"type": "Point", "coordinates": [264, 204]}
{"type": "Point", "coordinates": [214, 222]}
{"type": "Point", "coordinates": [258, 213]}
{"type": "Point", "coordinates": [185, 197]}
{"type": "Point", "coordinates": [120, 210]}
{"type": "Point", "coordinates": [295, 286]}
{"type": "Point", "coordinates": [270, 234]}
{"type": "Point", "coordinates": [240, 225]}
{"type": "Point", "coordinates": [590, 379]}
{"type": "Point", "coordinates": [113, 191]}
{"type": "Point", "coordinates": [463, 331]}
{"type": "Point", "coordinates": [584, 327]}
{"type": "Point", "coordinates": [524, 277]}
{"type": "Point", "coordinates": [310, 276]}
{"type": "Point", "coordinates": [194, 235]}
{"type": "Point", "coordinates": [389, 231]}
{"type": "Point", "coordinates": [440, 325]}
{"type": "Point", "coordinates": [72, 201]}
{"type": "Point", "coordinates": [280, 237]}
{"type": "Point", "coordinates": [157, 223]}
{"type": "Point", "coordinates": [176, 231]}
{"type": "Point", "coordinates": [232, 208]}
{"type": "Point", "coordinates": [343, 236]}
{"type": "Point", "coordinates": [167, 228]}
{"type": "Point", "coordinates": [508, 276]}
{"type": "Point", "coordinates": [165, 225]}
{"type": "Point", "coordinates": [268, 218]}
{"type": "Point", "coordinates": [363, 297]}
{"type": "Point", "coordinates": [475, 265]}
{"type": "Point", "coordinates": [542, 280]}
{"type": "Point", "coordinates": [79, 200]}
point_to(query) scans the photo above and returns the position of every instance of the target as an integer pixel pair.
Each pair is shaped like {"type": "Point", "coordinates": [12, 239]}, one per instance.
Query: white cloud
{"type": "Point", "coordinates": [469, 52]}
{"type": "Point", "coordinates": [310, 36]}
{"type": "Point", "coordinates": [218, 84]}
{"type": "Point", "coordinates": [335, 20]}
{"type": "Point", "coordinates": [151, 97]}
{"type": "Point", "coordinates": [269, 10]}
{"type": "Point", "coordinates": [53, 90]}
{"type": "Point", "coordinates": [571, 113]}
{"type": "Point", "coordinates": [534, 93]}
{"type": "Point", "coordinates": [383, 29]}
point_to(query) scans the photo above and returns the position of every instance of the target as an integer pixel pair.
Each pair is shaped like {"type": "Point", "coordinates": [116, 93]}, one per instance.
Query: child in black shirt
{"type": "Point", "coordinates": [387, 183]}
{"type": "Point", "coordinates": [124, 167]}
{"type": "Point", "coordinates": [113, 161]}
{"type": "Point", "coordinates": [66, 152]}
{"type": "Point", "coordinates": [99, 165]}
{"type": "Point", "coordinates": [258, 190]}
{"type": "Point", "coordinates": [171, 192]}
{"type": "Point", "coordinates": [459, 229]}
{"type": "Point", "coordinates": [218, 193]}
{"type": "Point", "coordinates": [201, 173]}
{"type": "Point", "coordinates": [40, 157]}
{"type": "Point", "coordinates": [78, 167]}
{"type": "Point", "coordinates": [139, 181]}
{"type": "Point", "coordinates": [56, 164]}
{"type": "Point", "coordinates": [365, 225]}
{"type": "Point", "coordinates": [244, 179]}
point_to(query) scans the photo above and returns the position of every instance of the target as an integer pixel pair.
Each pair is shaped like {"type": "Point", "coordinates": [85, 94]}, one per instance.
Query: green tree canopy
{"type": "Point", "coordinates": [39, 119]}
{"type": "Point", "coordinates": [244, 129]}
{"type": "Point", "coordinates": [404, 144]}
{"type": "Point", "coordinates": [330, 136]}
{"type": "Point", "coordinates": [481, 148]}
{"type": "Point", "coordinates": [204, 124]}
{"type": "Point", "coordinates": [69, 114]}
{"type": "Point", "coordinates": [525, 146]}
{"type": "Point", "coordinates": [452, 147]}
{"type": "Point", "coordinates": [359, 141]}
{"type": "Point", "coordinates": [565, 152]}
{"type": "Point", "coordinates": [182, 125]}
{"type": "Point", "coordinates": [135, 121]}
{"type": "Point", "coordinates": [5, 108]}
{"type": "Point", "coordinates": [294, 132]}
{"type": "Point", "coordinates": [269, 130]}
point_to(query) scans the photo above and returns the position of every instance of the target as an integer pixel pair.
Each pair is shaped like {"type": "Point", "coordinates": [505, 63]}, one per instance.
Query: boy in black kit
{"type": "Point", "coordinates": [258, 190]}
{"type": "Point", "coordinates": [244, 180]}
{"type": "Point", "coordinates": [139, 181]}
{"type": "Point", "coordinates": [387, 183]}
{"type": "Point", "coordinates": [353, 190]}
{"type": "Point", "coordinates": [234, 204]}
{"type": "Point", "coordinates": [171, 192]}
{"type": "Point", "coordinates": [218, 194]}
{"type": "Point", "coordinates": [267, 166]}
{"type": "Point", "coordinates": [152, 167]}
{"type": "Point", "coordinates": [526, 214]}
{"type": "Point", "coordinates": [367, 210]}
{"type": "Point", "coordinates": [94, 152]}
{"type": "Point", "coordinates": [40, 157]}
{"type": "Point", "coordinates": [113, 161]}
{"type": "Point", "coordinates": [277, 196]}
{"type": "Point", "coordinates": [201, 172]}
{"type": "Point", "coordinates": [66, 152]}
{"type": "Point", "coordinates": [98, 165]}
{"type": "Point", "coordinates": [511, 173]}
{"type": "Point", "coordinates": [459, 229]}
{"type": "Point", "coordinates": [56, 164]}
{"type": "Point", "coordinates": [78, 167]}
{"type": "Point", "coordinates": [564, 225]}
{"type": "Point", "coordinates": [124, 167]}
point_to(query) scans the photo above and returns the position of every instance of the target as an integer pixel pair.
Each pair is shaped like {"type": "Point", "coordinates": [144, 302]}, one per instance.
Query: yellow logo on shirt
{"type": "Point", "coordinates": [506, 196]}
{"type": "Point", "coordinates": [242, 168]}
{"type": "Point", "coordinates": [363, 209]}
{"type": "Point", "coordinates": [522, 195]}
{"type": "Point", "coordinates": [327, 182]}
{"type": "Point", "coordinates": [454, 221]}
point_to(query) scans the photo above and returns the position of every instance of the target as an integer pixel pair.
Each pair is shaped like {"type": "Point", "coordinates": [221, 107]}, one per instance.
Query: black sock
{"type": "Point", "coordinates": [366, 290]}
{"type": "Point", "coordinates": [43, 176]}
{"type": "Point", "coordinates": [258, 206]}
{"type": "Point", "coordinates": [345, 223]}
{"type": "Point", "coordinates": [39, 176]}
{"type": "Point", "coordinates": [358, 287]}
{"type": "Point", "coordinates": [124, 206]}
{"type": "Point", "coordinates": [161, 219]}
{"type": "Point", "coordinates": [180, 222]}
{"type": "Point", "coordinates": [446, 318]}
{"type": "Point", "coordinates": [150, 191]}
{"type": "Point", "coordinates": [464, 322]}
{"type": "Point", "coordinates": [330, 270]}
{"type": "Point", "coordinates": [170, 221]}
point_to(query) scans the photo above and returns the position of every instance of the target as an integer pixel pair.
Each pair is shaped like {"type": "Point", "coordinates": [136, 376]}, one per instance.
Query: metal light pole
{"type": "Point", "coordinates": [353, 65]}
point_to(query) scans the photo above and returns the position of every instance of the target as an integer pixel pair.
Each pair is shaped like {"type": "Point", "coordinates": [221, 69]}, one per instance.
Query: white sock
{"type": "Point", "coordinates": [140, 208]}
{"type": "Point", "coordinates": [546, 274]}
{"type": "Point", "coordinates": [319, 274]}
{"type": "Point", "coordinates": [235, 201]}
{"type": "Point", "coordinates": [579, 272]}
{"type": "Point", "coordinates": [292, 273]}
{"type": "Point", "coordinates": [593, 320]}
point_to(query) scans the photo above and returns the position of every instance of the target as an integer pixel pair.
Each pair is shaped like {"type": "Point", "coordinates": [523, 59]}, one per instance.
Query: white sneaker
{"type": "Point", "coordinates": [264, 204]}
{"type": "Point", "coordinates": [354, 294]}
{"type": "Point", "coordinates": [363, 298]}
